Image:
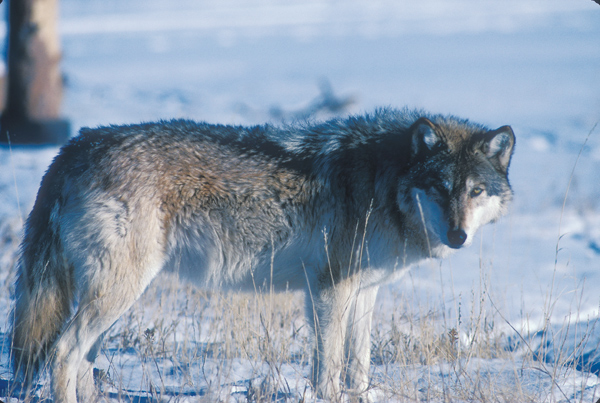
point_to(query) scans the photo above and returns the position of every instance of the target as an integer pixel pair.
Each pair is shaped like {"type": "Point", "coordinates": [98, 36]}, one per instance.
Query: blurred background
{"type": "Point", "coordinates": [533, 63]}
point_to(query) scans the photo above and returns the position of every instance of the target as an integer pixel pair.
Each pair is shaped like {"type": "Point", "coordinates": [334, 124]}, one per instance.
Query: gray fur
{"type": "Point", "coordinates": [218, 204]}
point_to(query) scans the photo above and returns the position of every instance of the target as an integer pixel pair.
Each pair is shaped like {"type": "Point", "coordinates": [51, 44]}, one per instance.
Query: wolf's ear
{"type": "Point", "coordinates": [424, 136]}
{"type": "Point", "coordinates": [498, 147]}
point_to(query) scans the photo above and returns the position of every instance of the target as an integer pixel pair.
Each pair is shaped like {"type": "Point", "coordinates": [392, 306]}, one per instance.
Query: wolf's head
{"type": "Point", "coordinates": [457, 180]}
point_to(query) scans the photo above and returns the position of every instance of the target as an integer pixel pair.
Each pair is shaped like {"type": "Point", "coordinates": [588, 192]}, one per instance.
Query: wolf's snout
{"type": "Point", "coordinates": [456, 237]}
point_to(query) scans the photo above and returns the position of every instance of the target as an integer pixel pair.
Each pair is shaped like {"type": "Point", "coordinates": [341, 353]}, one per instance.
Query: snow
{"type": "Point", "coordinates": [532, 64]}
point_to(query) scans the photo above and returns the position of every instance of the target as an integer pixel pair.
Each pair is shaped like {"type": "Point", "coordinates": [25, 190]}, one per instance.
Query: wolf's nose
{"type": "Point", "coordinates": [456, 237]}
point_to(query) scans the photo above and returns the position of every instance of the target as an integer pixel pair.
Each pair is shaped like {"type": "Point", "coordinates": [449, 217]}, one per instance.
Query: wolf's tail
{"type": "Point", "coordinates": [44, 291]}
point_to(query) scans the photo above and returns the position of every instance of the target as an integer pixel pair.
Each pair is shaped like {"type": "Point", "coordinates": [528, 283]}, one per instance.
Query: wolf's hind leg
{"type": "Point", "coordinates": [107, 296]}
{"type": "Point", "coordinates": [86, 387]}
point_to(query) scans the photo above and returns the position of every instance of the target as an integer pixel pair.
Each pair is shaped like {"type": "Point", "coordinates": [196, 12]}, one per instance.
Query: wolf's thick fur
{"type": "Point", "coordinates": [244, 207]}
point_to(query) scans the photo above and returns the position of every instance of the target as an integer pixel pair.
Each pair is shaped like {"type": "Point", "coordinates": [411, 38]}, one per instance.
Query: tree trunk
{"type": "Point", "coordinates": [34, 78]}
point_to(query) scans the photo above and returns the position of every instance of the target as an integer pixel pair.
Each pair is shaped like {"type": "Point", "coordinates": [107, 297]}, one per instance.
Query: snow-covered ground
{"type": "Point", "coordinates": [532, 64]}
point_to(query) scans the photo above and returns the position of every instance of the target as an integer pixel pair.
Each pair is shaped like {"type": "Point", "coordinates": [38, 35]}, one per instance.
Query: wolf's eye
{"type": "Point", "coordinates": [476, 191]}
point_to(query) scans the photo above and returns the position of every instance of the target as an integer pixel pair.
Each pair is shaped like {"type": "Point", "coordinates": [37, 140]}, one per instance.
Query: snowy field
{"type": "Point", "coordinates": [513, 318]}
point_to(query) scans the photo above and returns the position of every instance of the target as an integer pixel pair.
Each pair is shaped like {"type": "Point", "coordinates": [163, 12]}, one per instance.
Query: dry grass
{"type": "Point", "coordinates": [182, 344]}
{"type": "Point", "coordinates": [197, 338]}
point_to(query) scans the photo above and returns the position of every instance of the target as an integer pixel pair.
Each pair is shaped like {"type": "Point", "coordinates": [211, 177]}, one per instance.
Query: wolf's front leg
{"type": "Point", "coordinates": [330, 308]}
{"type": "Point", "coordinates": [358, 342]}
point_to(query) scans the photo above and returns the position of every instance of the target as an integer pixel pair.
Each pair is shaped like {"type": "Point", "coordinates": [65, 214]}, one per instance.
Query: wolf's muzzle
{"type": "Point", "coordinates": [456, 238]}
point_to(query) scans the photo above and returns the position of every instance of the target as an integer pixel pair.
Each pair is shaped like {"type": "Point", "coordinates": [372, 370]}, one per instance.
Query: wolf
{"type": "Point", "coordinates": [334, 208]}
